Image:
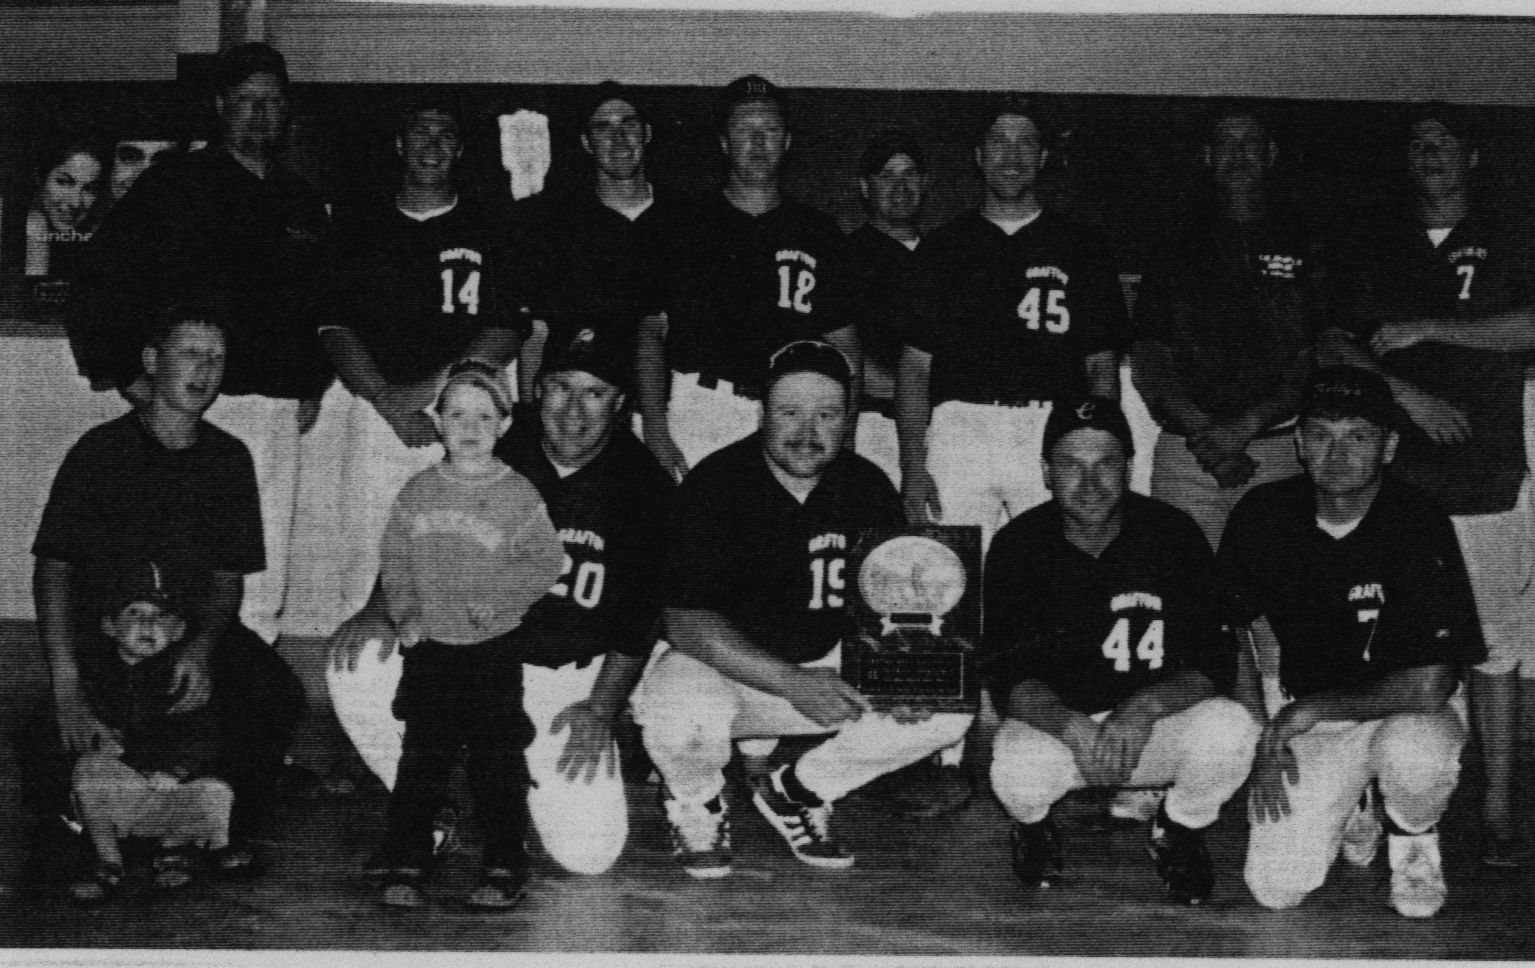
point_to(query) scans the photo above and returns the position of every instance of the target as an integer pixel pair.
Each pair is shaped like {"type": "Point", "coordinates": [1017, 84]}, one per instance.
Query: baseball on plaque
{"type": "Point", "coordinates": [916, 602]}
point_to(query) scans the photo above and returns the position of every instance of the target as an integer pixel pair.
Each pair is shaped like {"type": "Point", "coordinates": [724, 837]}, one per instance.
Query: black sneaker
{"type": "Point", "coordinates": [1037, 857]}
{"type": "Point", "coordinates": [806, 828]}
{"type": "Point", "coordinates": [1182, 859]}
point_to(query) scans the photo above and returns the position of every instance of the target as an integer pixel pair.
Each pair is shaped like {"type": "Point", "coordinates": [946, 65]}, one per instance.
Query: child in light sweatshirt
{"type": "Point", "coordinates": [469, 546]}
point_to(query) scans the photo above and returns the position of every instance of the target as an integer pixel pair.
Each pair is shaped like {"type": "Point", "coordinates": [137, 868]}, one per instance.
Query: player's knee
{"type": "Point", "coordinates": [1420, 749]}
{"type": "Point", "coordinates": [94, 775]}
{"type": "Point", "coordinates": [1226, 731]}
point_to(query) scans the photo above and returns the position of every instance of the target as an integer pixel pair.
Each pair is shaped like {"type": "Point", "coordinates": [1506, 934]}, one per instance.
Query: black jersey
{"type": "Point", "coordinates": [611, 516]}
{"type": "Point", "coordinates": [596, 268]}
{"type": "Point", "coordinates": [1098, 630]}
{"type": "Point", "coordinates": [202, 226]}
{"type": "Point", "coordinates": [1390, 595]}
{"type": "Point", "coordinates": [419, 292]}
{"type": "Point", "coordinates": [1393, 273]}
{"type": "Point", "coordinates": [742, 546]}
{"type": "Point", "coordinates": [879, 285]}
{"type": "Point", "coordinates": [1012, 318]}
{"type": "Point", "coordinates": [748, 284]}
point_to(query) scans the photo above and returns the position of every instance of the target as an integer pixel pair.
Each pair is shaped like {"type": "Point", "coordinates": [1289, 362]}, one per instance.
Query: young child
{"type": "Point", "coordinates": [469, 546]}
{"type": "Point", "coordinates": [150, 785]}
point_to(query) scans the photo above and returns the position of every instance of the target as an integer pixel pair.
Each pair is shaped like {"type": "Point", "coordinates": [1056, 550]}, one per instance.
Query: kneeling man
{"type": "Point", "coordinates": [1355, 577]}
{"type": "Point", "coordinates": [755, 615]}
{"type": "Point", "coordinates": [1104, 649]}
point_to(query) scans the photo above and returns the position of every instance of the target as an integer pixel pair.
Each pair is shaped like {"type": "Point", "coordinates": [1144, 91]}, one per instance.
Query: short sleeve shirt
{"type": "Point", "coordinates": [1098, 630]}
{"type": "Point", "coordinates": [1012, 317]}
{"type": "Point", "coordinates": [1390, 595]}
{"type": "Point", "coordinates": [748, 284]}
{"type": "Point", "coordinates": [879, 288]}
{"type": "Point", "coordinates": [743, 547]}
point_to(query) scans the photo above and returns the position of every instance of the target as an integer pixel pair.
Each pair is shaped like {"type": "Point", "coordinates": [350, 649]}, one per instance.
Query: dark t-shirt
{"type": "Point", "coordinates": [202, 225]}
{"type": "Point", "coordinates": [1012, 317]}
{"type": "Point", "coordinates": [742, 546]}
{"type": "Point", "coordinates": [121, 495]}
{"type": "Point", "coordinates": [1098, 630]}
{"type": "Point", "coordinates": [1390, 595]}
{"type": "Point", "coordinates": [418, 293]}
{"type": "Point", "coordinates": [748, 284]}
{"type": "Point", "coordinates": [879, 287]}
{"type": "Point", "coordinates": [136, 701]}
{"type": "Point", "coordinates": [1238, 306]}
{"type": "Point", "coordinates": [1393, 272]}
{"type": "Point", "coordinates": [611, 516]}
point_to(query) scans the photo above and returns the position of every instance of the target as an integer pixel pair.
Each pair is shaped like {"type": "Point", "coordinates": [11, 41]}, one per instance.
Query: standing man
{"type": "Point", "coordinates": [755, 616]}
{"type": "Point", "coordinates": [421, 282]}
{"type": "Point", "coordinates": [161, 484]}
{"type": "Point", "coordinates": [584, 643]}
{"type": "Point", "coordinates": [1225, 326]}
{"type": "Point", "coordinates": [227, 219]}
{"type": "Point", "coordinates": [1356, 579]}
{"type": "Point", "coordinates": [1106, 652]}
{"type": "Point", "coordinates": [758, 272]}
{"type": "Point", "coordinates": [1024, 306]}
{"type": "Point", "coordinates": [1440, 300]}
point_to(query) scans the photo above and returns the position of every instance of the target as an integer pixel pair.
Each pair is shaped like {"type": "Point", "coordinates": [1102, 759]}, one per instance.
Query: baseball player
{"type": "Point", "coordinates": [138, 146]}
{"type": "Point", "coordinates": [758, 270]}
{"type": "Point", "coordinates": [584, 643]}
{"type": "Point", "coordinates": [1105, 650]}
{"type": "Point", "coordinates": [1023, 306]}
{"type": "Point", "coordinates": [421, 282]}
{"type": "Point", "coordinates": [228, 219]}
{"type": "Point", "coordinates": [754, 616]}
{"type": "Point", "coordinates": [1356, 578]}
{"type": "Point", "coordinates": [1226, 324]}
{"type": "Point", "coordinates": [600, 249]}
{"type": "Point", "coordinates": [1440, 300]}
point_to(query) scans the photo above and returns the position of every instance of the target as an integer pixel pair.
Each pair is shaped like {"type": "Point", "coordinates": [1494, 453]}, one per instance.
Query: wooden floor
{"type": "Point", "coordinates": [927, 889]}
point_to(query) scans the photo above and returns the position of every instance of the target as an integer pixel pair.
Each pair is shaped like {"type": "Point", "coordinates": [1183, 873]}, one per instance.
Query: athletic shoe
{"type": "Point", "coordinates": [1417, 879]}
{"type": "Point", "coordinates": [1136, 804]}
{"type": "Point", "coordinates": [805, 827]}
{"type": "Point", "coordinates": [1037, 856]}
{"type": "Point", "coordinates": [1182, 859]}
{"type": "Point", "coordinates": [445, 829]}
{"type": "Point", "coordinates": [1512, 851]}
{"type": "Point", "coordinates": [926, 790]}
{"type": "Point", "coordinates": [700, 836]}
{"type": "Point", "coordinates": [1362, 831]}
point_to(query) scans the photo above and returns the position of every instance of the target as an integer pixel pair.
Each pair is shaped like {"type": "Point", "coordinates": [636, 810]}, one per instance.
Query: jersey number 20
{"type": "Point", "coordinates": [794, 291]}
{"type": "Point", "coordinates": [1147, 650]}
{"type": "Point", "coordinates": [586, 588]}
{"type": "Point", "coordinates": [466, 295]}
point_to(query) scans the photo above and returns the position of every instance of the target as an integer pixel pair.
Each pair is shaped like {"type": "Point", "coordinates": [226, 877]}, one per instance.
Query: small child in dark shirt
{"type": "Point", "coordinates": [152, 785]}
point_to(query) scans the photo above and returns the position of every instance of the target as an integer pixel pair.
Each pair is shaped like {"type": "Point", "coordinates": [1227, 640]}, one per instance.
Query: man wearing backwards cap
{"type": "Point", "coordinates": [758, 271]}
{"type": "Point", "coordinates": [1441, 300]}
{"type": "Point", "coordinates": [1355, 577]}
{"type": "Point", "coordinates": [754, 616]}
{"type": "Point", "coordinates": [583, 644]}
{"type": "Point", "coordinates": [1023, 306]}
{"type": "Point", "coordinates": [1105, 652]}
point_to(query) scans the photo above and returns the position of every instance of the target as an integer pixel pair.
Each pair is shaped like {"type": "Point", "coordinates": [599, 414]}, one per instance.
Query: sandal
{"type": "Point", "coordinates": [172, 870]}
{"type": "Point", "coordinates": [500, 889]}
{"type": "Point", "coordinates": [404, 887]}
{"type": "Point", "coordinates": [99, 886]}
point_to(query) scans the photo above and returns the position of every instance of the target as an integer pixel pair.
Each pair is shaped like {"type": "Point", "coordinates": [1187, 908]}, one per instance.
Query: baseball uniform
{"type": "Point", "coordinates": [879, 284]}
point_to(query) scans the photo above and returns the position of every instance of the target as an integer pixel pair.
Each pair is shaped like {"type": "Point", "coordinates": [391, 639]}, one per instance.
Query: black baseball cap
{"type": "Point", "coordinates": [752, 87]}
{"type": "Point", "coordinates": [238, 63]}
{"type": "Point", "coordinates": [591, 351]}
{"type": "Point", "coordinates": [611, 91]}
{"type": "Point", "coordinates": [440, 104]}
{"type": "Point", "coordinates": [1341, 392]}
{"type": "Point", "coordinates": [1019, 105]}
{"type": "Point", "coordinates": [886, 146]}
{"type": "Point", "coordinates": [1086, 412]}
{"type": "Point", "coordinates": [809, 356]}
{"type": "Point", "coordinates": [112, 587]}
{"type": "Point", "coordinates": [1455, 118]}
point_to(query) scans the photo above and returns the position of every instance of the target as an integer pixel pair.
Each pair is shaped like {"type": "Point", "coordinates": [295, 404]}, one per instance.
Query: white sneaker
{"type": "Point", "coordinates": [1139, 804]}
{"type": "Point", "coordinates": [701, 837]}
{"type": "Point", "coordinates": [1417, 879]}
{"type": "Point", "coordinates": [1362, 832]}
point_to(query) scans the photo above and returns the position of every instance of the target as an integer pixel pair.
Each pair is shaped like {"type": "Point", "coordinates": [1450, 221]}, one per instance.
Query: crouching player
{"type": "Point", "coordinates": [1355, 577]}
{"type": "Point", "coordinates": [1104, 650]}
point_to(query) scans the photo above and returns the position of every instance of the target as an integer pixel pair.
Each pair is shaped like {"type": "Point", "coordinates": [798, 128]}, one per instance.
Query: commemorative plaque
{"type": "Point", "coordinates": [916, 602]}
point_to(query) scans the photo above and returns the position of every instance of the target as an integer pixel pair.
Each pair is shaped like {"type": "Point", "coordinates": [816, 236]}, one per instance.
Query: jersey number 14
{"type": "Point", "coordinates": [467, 294]}
{"type": "Point", "coordinates": [1147, 650]}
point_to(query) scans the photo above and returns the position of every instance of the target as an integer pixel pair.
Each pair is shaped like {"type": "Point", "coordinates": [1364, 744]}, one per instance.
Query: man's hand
{"type": "Point", "coordinates": [191, 678]}
{"type": "Point", "coordinates": [824, 697]}
{"type": "Point", "coordinates": [666, 451]}
{"type": "Point", "coordinates": [906, 714]}
{"type": "Point", "coordinates": [81, 731]}
{"type": "Point", "coordinates": [1081, 737]}
{"type": "Point", "coordinates": [1275, 767]}
{"type": "Point", "coordinates": [353, 635]}
{"type": "Point", "coordinates": [1234, 472]}
{"type": "Point", "coordinates": [590, 742]}
{"type": "Point", "coordinates": [398, 407]}
{"type": "Point", "coordinates": [919, 493]}
{"type": "Point", "coordinates": [411, 631]}
{"type": "Point", "coordinates": [1122, 736]}
{"type": "Point", "coordinates": [1399, 336]}
{"type": "Point", "coordinates": [307, 414]}
{"type": "Point", "coordinates": [1443, 423]}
